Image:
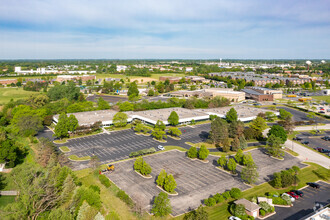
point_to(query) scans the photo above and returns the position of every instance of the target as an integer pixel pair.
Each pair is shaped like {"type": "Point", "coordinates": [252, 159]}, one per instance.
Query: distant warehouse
{"type": "Point", "coordinates": [245, 113]}
{"type": "Point", "coordinates": [262, 94]}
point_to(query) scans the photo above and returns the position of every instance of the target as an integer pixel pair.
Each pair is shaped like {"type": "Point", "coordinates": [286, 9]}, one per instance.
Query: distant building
{"type": "Point", "coordinates": [189, 69]}
{"type": "Point", "coordinates": [121, 68]}
{"type": "Point", "coordinates": [7, 81]}
{"type": "Point", "coordinates": [84, 78]}
{"type": "Point", "coordinates": [277, 94]}
{"type": "Point", "coordinates": [172, 79]}
{"type": "Point", "coordinates": [255, 95]}
{"type": "Point", "coordinates": [251, 208]}
{"type": "Point", "coordinates": [197, 79]}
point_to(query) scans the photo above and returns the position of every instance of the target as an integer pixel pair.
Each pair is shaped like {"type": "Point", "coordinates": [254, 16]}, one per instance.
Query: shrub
{"type": "Point", "coordinates": [203, 152]}
{"type": "Point", "coordinates": [226, 195]}
{"type": "Point", "coordinates": [209, 202]}
{"type": "Point", "coordinates": [104, 180]}
{"type": "Point", "coordinates": [192, 152]}
{"type": "Point", "coordinates": [95, 188]}
{"type": "Point", "coordinates": [239, 210]}
{"type": "Point", "coordinates": [235, 193]}
{"type": "Point", "coordinates": [279, 201]}
{"type": "Point", "coordinates": [262, 212]}
{"type": "Point", "coordinates": [287, 199]}
{"type": "Point", "coordinates": [265, 206]}
{"type": "Point", "coordinates": [125, 198]}
{"type": "Point", "coordinates": [218, 198]}
{"type": "Point", "coordinates": [142, 152]}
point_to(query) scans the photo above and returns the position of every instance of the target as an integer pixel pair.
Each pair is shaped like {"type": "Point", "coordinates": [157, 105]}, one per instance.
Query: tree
{"type": "Point", "coordinates": [126, 106]}
{"type": "Point", "coordinates": [239, 156]}
{"type": "Point", "coordinates": [72, 123]}
{"type": "Point", "coordinates": [175, 132]}
{"type": "Point", "coordinates": [235, 193]}
{"type": "Point", "coordinates": [236, 129]}
{"type": "Point", "coordinates": [250, 173]}
{"type": "Point", "coordinates": [231, 165]}
{"type": "Point", "coordinates": [270, 116]}
{"type": "Point", "coordinates": [94, 162]}
{"type": "Point", "coordinates": [173, 119]}
{"type": "Point", "coordinates": [29, 125]}
{"type": "Point", "coordinates": [102, 105]}
{"type": "Point", "coordinates": [287, 124]}
{"type": "Point", "coordinates": [242, 142]}
{"type": "Point", "coordinates": [133, 90]}
{"type": "Point", "coordinates": [9, 153]}
{"type": "Point", "coordinates": [231, 115]}
{"type": "Point", "coordinates": [162, 205]}
{"type": "Point", "coordinates": [161, 178]}
{"type": "Point", "coordinates": [219, 130]}
{"type": "Point", "coordinates": [285, 114]}
{"type": "Point", "coordinates": [203, 152]}
{"type": "Point", "coordinates": [119, 119]}
{"type": "Point", "coordinates": [158, 134]}
{"type": "Point", "coordinates": [235, 144]}
{"type": "Point", "coordinates": [312, 116]}
{"type": "Point", "coordinates": [239, 210]}
{"type": "Point", "coordinates": [259, 125]}
{"type": "Point", "coordinates": [192, 152]}
{"type": "Point", "coordinates": [61, 128]}
{"type": "Point", "coordinates": [274, 145]}
{"type": "Point", "coordinates": [198, 214]}
{"type": "Point", "coordinates": [160, 125]}
{"type": "Point", "coordinates": [151, 92]}
{"type": "Point", "coordinates": [277, 180]}
{"type": "Point", "coordinates": [170, 184]}
{"type": "Point", "coordinates": [278, 131]}
{"type": "Point", "coordinates": [222, 161]}
{"type": "Point", "coordinates": [142, 167]}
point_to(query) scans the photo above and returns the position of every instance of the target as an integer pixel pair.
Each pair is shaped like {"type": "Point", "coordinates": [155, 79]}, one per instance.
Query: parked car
{"type": "Point", "coordinates": [292, 199]}
{"type": "Point", "coordinates": [297, 138]}
{"type": "Point", "coordinates": [314, 185]}
{"type": "Point", "coordinates": [305, 142]}
{"type": "Point", "coordinates": [326, 138]}
{"type": "Point", "coordinates": [298, 192]}
{"type": "Point", "coordinates": [322, 112]}
{"type": "Point", "coordinates": [234, 218]}
{"type": "Point", "coordinates": [160, 147]}
{"type": "Point", "coordinates": [293, 195]}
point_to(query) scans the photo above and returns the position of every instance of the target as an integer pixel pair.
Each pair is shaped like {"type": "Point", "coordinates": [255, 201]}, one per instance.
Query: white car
{"type": "Point", "coordinates": [160, 147]}
{"type": "Point", "coordinates": [292, 199]}
{"type": "Point", "coordinates": [234, 218]}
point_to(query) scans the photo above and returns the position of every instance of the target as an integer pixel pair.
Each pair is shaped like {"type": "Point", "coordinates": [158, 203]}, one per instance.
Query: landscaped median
{"type": "Point", "coordinates": [76, 158]}
{"type": "Point", "coordinates": [65, 149]}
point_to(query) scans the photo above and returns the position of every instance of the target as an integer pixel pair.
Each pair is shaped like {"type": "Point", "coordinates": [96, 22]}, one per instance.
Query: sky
{"type": "Point", "coordinates": [164, 29]}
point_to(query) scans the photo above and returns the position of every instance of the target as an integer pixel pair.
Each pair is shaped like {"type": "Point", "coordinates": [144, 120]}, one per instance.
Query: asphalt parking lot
{"type": "Point", "coordinates": [302, 116]}
{"type": "Point", "coordinates": [119, 144]}
{"type": "Point", "coordinates": [304, 206]}
{"type": "Point", "coordinates": [315, 140]}
{"type": "Point", "coordinates": [268, 165]}
{"type": "Point", "coordinates": [196, 181]}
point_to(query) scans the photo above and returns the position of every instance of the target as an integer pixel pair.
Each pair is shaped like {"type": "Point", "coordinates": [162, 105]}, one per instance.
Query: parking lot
{"type": "Point", "coordinates": [315, 140]}
{"type": "Point", "coordinates": [119, 144]}
{"type": "Point", "coordinates": [196, 181]}
{"type": "Point", "coordinates": [302, 116]}
{"type": "Point", "coordinates": [304, 206]}
{"type": "Point", "coordinates": [268, 165]}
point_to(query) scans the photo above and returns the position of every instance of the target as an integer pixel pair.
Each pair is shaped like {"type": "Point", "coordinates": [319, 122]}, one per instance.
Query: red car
{"type": "Point", "coordinates": [293, 195]}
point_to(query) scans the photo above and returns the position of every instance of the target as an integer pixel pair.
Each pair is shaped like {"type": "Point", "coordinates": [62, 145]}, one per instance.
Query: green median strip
{"type": "Point", "coordinates": [76, 158]}
{"type": "Point", "coordinates": [65, 149]}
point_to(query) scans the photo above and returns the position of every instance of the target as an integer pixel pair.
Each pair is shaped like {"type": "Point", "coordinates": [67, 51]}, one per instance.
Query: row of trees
{"type": "Point", "coordinates": [142, 167]}
{"type": "Point", "coordinates": [202, 153]}
{"type": "Point", "coordinates": [166, 181]}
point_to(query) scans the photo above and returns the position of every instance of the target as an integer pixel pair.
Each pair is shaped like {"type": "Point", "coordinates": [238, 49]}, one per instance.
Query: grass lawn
{"type": "Point", "coordinates": [5, 200]}
{"type": "Point", "coordinates": [325, 98]}
{"type": "Point", "coordinates": [75, 157]}
{"type": "Point", "coordinates": [65, 149]}
{"type": "Point", "coordinates": [109, 199]}
{"type": "Point", "coordinates": [6, 94]}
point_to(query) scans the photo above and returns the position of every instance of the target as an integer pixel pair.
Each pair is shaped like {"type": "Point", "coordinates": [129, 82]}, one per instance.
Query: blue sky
{"type": "Point", "coordinates": [165, 29]}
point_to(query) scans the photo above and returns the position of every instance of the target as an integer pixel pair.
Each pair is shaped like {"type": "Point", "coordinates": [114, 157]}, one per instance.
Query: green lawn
{"type": "Point", "coordinates": [6, 94]}
{"type": "Point", "coordinates": [76, 158]}
{"type": "Point", "coordinates": [65, 149]}
{"type": "Point", "coordinates": [325, 98]}
{"type": "Point", "coordinates": [5, 200]}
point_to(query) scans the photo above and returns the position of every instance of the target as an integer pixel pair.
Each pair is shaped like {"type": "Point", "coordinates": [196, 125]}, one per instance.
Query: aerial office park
{"type": "Point", "coordinates": [197, 179]}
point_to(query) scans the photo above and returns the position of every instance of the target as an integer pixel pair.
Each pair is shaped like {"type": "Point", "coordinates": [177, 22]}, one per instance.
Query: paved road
{"type": "Point", "coordinates": [302, 116]}
{"type": "Point", "coordinates": [306, 154]}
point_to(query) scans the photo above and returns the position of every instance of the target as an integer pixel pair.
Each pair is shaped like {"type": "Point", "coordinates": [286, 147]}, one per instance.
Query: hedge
{"type": "Point", "coordinates": [125, 198]}
{"type": "Point", "coordinates": [142, 152]}
{"type": "Point", "coordinates": [104, 180]}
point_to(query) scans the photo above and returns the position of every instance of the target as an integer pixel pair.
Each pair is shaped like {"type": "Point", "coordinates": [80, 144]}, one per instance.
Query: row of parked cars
{"type": "Point", "coordinates": [295, 194]}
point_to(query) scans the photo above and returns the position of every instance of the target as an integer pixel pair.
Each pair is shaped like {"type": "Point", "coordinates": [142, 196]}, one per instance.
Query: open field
{"type": "Point", "coordinates": [325, 98]}
{"type": "Point", "coordinates": [5, 200]}
{"type": "Point", "coordinates": [6, 94]}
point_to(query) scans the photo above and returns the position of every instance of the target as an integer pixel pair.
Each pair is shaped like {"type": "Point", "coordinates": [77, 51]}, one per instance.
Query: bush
{"type": "Point", "coordinates": [95, 188]}
{"type": "Point", "coordinates": [142, 152]}
{"type": "Point", "coordinates": [239, 210]}
{"type": "Point", "coordinates": [125, 198]}
{"type": "Point", "coordinates": [287, 199]}
{"type": "Point", "coordinates": [235, 193]}
{"type": "Point", "coordinates": [279, 201]}
{"type": "Point", "coordinates": [262, 212]}
{"type": "Point", "coordinates": [226, 195]}
{"type": "Point", "coordinates": [192, 152]}
{"type": "Point", "coordinates": [209, 202]}
{"type": "Point", "coordinates": [265, 206]}
{"type": "Point", "coordinates": [104, 180]}
{"type": "Point", "coordinates": [218, 198]}
{"type": "Point", "coordinates": [203, 152]}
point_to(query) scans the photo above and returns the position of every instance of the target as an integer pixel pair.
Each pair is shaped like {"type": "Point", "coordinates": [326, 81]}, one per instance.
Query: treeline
{"type": "Point", "coordinates": [190, 103]}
